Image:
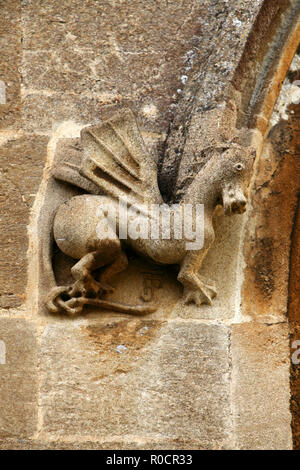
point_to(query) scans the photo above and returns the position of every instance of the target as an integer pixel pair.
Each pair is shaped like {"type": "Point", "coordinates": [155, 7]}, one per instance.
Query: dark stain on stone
{"type": "Point", "coordinates": [121, 344]}
{"type": "Point", "coordinates": [264, 275]}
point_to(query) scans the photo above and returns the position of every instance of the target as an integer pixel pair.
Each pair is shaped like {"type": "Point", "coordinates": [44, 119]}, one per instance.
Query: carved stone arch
{"type": "Point", "coordinates": [263, 87]}
{"type": "Point", "coordinates": [269, 51]}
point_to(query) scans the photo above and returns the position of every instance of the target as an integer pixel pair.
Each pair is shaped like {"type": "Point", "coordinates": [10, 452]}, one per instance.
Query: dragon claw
{"type": "Point", "coordinates": [201, 295]}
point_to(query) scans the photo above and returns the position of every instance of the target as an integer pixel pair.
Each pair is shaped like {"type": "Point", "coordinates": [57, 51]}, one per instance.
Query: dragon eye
{"type": "Point", "coordinates": [239, 166]}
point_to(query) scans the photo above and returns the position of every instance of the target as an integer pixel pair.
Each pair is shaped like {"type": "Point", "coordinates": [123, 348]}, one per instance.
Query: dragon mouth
{"type": "Point", "coordinates": [235, 207]}
{"type": "Point", "coordinates": [234, 200]}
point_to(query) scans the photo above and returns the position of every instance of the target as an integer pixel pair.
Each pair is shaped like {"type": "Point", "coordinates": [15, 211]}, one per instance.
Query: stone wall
{"type": "Point", "coordinates": [215, 377]}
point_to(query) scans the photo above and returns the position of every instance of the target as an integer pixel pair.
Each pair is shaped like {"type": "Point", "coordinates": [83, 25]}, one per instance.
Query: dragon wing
{"type": "Point", "coordinates": [115, 159]}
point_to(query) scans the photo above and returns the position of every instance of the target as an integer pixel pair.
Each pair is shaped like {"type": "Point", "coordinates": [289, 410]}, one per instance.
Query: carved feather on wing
{"type": "Point", "coordinates": [115, 159]}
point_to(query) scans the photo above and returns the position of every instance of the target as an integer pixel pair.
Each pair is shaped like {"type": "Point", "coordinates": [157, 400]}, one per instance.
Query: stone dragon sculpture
{"type": "Point", "coordinates": [117, 162]}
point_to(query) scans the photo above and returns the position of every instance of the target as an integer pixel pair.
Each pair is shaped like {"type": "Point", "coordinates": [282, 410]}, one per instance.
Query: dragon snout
{"type": "Point", "coordinates": [234, 202]}
{"type": "Point", "coordinates": [239, 206]}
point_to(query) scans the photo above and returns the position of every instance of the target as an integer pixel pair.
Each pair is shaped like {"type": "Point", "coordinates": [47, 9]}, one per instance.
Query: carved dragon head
{"type": "Point", "coordinates": [237, 165]}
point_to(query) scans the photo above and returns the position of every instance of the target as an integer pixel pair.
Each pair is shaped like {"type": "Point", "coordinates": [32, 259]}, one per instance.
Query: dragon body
{"type": "Point", "coordinates": [117, 163]}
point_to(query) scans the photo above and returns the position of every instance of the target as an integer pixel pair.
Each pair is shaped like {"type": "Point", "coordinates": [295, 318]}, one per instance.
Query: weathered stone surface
{"type": "Point", "coordinates": [250, 77]}
{"type": "Point", "coordinates": [60, 107]}
{"type": "Point", "coordinates": [105, 76]}
{"type": "Point", "coordinates": [270, 222]}
{"type": "Point", "coordinates": [165, 384]}
{"type": "Point", "coordinates": [203, 101]}
{"type": "Point", "coordinates": [133, 25]}
{"type": "Point", "coordinates": [22, 160]}
{"type": "Point", "coordinates": [270, 289]}
{"type": "Point", "coordinates": [294, 317]}
{"type": "Point", "coordinates": [260, 361]}
{"type": "Point", "coordinates": [220, 266]}
{"type": "Point", "coordinates": [98, 444]}
{"type": "Point", "coordinates": [295, 382]}
{"type": "Point", "coordinates": [133, 52]}
{"type": "Point", "coordinates": [294, 275]}
{"type": "Point", "coordinates": [18, 377]}
{"type": "Point", "coordinates": [10, 63]}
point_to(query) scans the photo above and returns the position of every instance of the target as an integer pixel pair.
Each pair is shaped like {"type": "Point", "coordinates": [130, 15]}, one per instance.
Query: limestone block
{"type": "Point", "coordinates": [260, 361]}
{"type": "Point", "coordinates": [60, 107]}
{"type": "Point", "coordinates": [137, 378]}
{"type": "Point", "coordinates": [126, 27]}
{"type": "Point", "coordinates": [18, 390]}
{"type": "Point", "coordinates": [107, 76]}
{"type": "Point", "coordinates": [10, 63]}
{"type": "Point", "coordinates": [108, 53]}
{"type": "Point", "coordinates": [22, 160]}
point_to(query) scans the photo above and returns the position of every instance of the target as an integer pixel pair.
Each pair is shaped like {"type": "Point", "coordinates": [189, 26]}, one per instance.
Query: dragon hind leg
{"type": "Point", "coordinates": [116, 267]}
{"type": "Point", "coordinates": [85, 283]}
